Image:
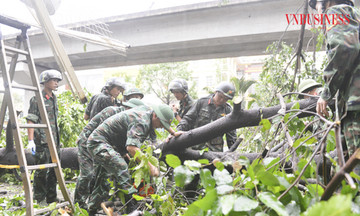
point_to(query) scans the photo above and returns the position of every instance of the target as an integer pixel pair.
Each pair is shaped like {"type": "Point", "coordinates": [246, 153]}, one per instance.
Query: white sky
{"type": "Point", "coordinates": [78, 10]}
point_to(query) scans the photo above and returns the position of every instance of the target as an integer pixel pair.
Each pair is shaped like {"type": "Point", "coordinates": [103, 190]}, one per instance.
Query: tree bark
{"type": "Point", "coordinates": [236, 119]}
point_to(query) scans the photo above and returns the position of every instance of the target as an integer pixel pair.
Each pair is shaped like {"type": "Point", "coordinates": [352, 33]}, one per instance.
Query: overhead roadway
{"type": "Point", "coordinates": [199, 31]}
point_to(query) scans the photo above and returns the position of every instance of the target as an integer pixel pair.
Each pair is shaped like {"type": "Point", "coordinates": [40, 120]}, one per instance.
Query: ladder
{"type": "Point", "coordinates": [8, 102]}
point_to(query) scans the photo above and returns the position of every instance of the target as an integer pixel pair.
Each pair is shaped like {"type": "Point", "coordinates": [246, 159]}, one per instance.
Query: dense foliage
{"type": "Point", "coordinates": [71, 118]}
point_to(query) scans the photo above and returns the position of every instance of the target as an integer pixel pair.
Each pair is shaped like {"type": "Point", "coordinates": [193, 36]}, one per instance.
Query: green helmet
{"type": "Point", "coordinates": [164, 113]}
{"type": "Point", "coordinates": [49, 74]}
{"type": "Point", "coordinates": [133, 102]}
{"type": "Point", "coordinates": [133, 91]}
{"type": "Point", "coordinates": [227, 89]}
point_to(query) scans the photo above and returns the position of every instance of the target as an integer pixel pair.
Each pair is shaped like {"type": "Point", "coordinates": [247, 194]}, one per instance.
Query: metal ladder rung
{"type": "Point", "coordinates": [32, 126]}
{"type": "Point", "coordinates": [42, 166]}
{"type": "Point", "coordinates": [15, 50]}
{"type": "Point", "coordinates": [26, 87]}
{"type": "Point", "coordinates": [44, 210]}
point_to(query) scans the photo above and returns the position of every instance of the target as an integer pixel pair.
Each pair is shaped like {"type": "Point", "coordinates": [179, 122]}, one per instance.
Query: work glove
{"type": "Point", "coordinates": [32, 146]}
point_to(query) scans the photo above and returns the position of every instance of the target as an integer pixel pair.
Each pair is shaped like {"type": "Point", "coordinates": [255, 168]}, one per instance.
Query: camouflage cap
{"type": "Point", "coordinates": [307, 84]}
{"type": "Point", "coordinates": [164, 113]}
{"type": "Point", "coordinates": [132, 91]}
{"type": "Point", "coordinates": [133, 102]}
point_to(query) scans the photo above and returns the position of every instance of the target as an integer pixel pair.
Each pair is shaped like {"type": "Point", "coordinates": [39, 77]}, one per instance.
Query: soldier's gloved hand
{"type": "Point", "coordinates": [31, 146]}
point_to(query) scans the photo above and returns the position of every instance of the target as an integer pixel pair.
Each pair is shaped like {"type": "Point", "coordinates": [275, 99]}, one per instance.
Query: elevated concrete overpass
{"type": "Point", "coordinates": [191, 32]}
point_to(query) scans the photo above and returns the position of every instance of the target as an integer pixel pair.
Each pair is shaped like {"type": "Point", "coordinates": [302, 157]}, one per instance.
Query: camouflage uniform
{"type": "Point", "coordinates": [98, 103]}
{"type": "Point", "coordinates": [185, 105]}
{"type": "Point", "coordinates": [342, 73]}
{"type": "Point", "coordinates": [203, 112]}
{"type": "Point", "coordinates": [84, 181]}
{"type": "Point", "coordinates": [44, 179]}
{"type": "Point", "coordinates": [108, 145]}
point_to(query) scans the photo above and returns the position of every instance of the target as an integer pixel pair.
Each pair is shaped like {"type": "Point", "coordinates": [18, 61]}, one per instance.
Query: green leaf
{"type": "Point", "coordinates": [227, 203]}
{"type": "Point", "coordinates": [207, 202]}
{"type": "Point", "coordinates": [243, 203]}
{"type": "Point", "coordinates": [194, 210]}
{"type": "Point", "coordinates": [266, 124]}
{"type": "Point", "coordinates": [203, 161]}
{"type": "Point", "coordinates": [173, 160]}
{"type": "Point", "coordinates": [182, 176]}
{"type": "Point", "coordinates": [261, 214]}
{"type": "Point", "coordinates": [207, 181]}
{"type": "Point", "coordinates": [154, 161]}
{"type": "Point", "coordinates": [330, 141]}
{"type": "Point", "coordinates": [271, 201]}
{"type": "Point", "coordinates": [257, 167]}
{"type": "Point", "coordinates": [201, 152]}
{"type": "Point", "coordinates": [224, 189]}
{"type": "Point", "coordinates": [315, 190]}
{"type": "Point", "coordinates": [295, 106]}
{"type": "Point", "coordinates": [192, 165]}
{"type": "Point", "coordinates": [309, 171]}
{"type": "Point", "coordinates": [267, 178]}
{"type": "Point", "coordinates": [219, 165]}
{"type": "Point", "coordinates": [138, 176]}
{"type": "Point", "coordinates": [294, 193]}
{"type": "Point", "coordinates": [298, 142]}
{"type": "Point", "coordinates": [251, 173]}
{"type": "Point", "coordinates": [293, 208]}
{"type": "Point", "coordinates": [335, 206]}
{"type": "Point", "coordinates": [137, 197]}
{"type": "Point", "coordinates": [222, 177]}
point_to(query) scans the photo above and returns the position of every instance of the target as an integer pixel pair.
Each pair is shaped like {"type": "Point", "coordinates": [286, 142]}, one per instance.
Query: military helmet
{"type": "Point", "coordinates": [115, 81]}
{"type": "Point", "coordinates": [133, 102]}
{"type": "Point", "coordinates": [178, 85]}
{"type": "Point", "coordinates": [133, 91]}
{"type": "Point", "coordinates": [49, 74]}
{"type": "Point", "coordinates": [164, 113]}
{"type": "Point", "coordinates": [307, 84]}
{"type": "Point", "coordinates": [227, 89]}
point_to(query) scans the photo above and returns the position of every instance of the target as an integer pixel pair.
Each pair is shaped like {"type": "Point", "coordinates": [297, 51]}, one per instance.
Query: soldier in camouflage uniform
{"type": "Point", "coordinates": [118, 135]}
{"type": "Point", "coordinates": [44, 179]}
{"type": "Point", "coordinates": [179, 88]}
{"type": "Point", "coordinates": [342, 73]}
{"type": "Point", "coordinates": [107, 97]}
{"type": "Point", "coordinates": [133, 93]}
{"type": "Point", "coordinates": [209, 109]}
{"type": "Point", "coordinates": [84, 181]}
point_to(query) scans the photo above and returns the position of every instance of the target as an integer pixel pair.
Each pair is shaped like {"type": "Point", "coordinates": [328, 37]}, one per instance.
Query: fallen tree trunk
{"type": "Point", "coordinates": [68, 157]}
{"type": "Point", "coordinates": [236, 119]}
